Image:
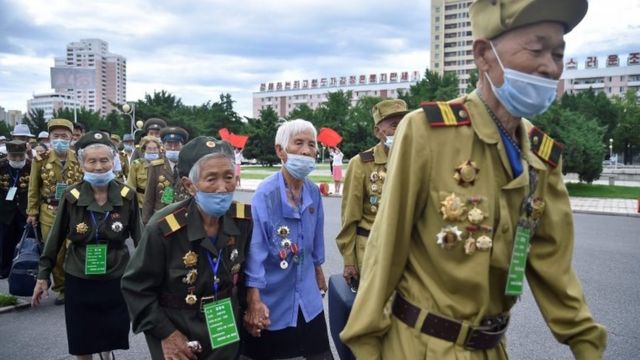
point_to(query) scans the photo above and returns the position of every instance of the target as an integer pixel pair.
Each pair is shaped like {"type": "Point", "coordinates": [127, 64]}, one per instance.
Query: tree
{"type": "Point", "coordinates": [583, 152]}
{"type": "Point", "coordinates": [473, 81]}
{"type": "Point", "coordinates": [5, 130]}
{"type": "Point", "coordinates": [333, 113]}
{"type": "Point", "coordinates": [302, 111]}
{"type": "Point", "coordinates": [92, 120]}
{"type": "Point", "coordinates": [432, 87]}
{"type": "Point", "coordinates": [357, 134]}
{"type": "Point", "coordinates": [35, 121]}
{"type": "Point", "coordinates": [161, 104]}
{"type": "Point", "coordinates": [262, 134]}
{"type": "Point", "coordinates": [594, 106]}
{"type": "Point", "coordinates": [626, 136]}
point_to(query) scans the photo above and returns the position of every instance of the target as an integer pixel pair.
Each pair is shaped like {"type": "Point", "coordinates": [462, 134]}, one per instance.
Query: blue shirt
{"type": "Point", "coordinates": [286, 290]}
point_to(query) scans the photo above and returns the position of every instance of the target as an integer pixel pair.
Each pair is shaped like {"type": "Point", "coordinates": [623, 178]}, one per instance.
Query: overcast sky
{"type": "Point", "coordinates": [198, 49]}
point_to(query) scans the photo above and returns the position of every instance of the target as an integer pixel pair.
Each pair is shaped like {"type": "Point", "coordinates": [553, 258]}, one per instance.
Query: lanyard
{"type": "Point", "coordinates": [15, 178]}
{"type": "Point", "coordinates": [214, 268]}
{"type": "Point", "coordinates": [95, 224]}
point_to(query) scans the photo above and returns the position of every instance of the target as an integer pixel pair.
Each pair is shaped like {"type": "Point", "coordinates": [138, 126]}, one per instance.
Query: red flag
{"type": "Point", "coordinates": [329, 137]}
{"type": "Point", "coordinates": [237, 141]}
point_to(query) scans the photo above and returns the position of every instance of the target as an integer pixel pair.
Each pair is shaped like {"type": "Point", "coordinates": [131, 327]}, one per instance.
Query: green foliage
{"type": "Point", "coordinates": [357, 133]}
{"type": "Point", "coordinates": [626, 136]}
{"type": "Point", "coordinates": [160, 104]}
{"type": "Point", "coordinates": [8, 300]}
{"type": "Point", "coordinates": [5, 130]}
{"type": "Point", "coordinates": [262, 134]}
{"type": "Point", "coordinates": [603, 191]}
{"type": "Point", "coordinates": [90, 119]}
{"type": "Point", "coordinates": [432, 87]}
{"type": "Point", "coordinates": [581, 136]}
{"type": "Point", "coordinates": [595, 106]}
{"type": "Point", "coordinates": [473, 80]}
{"type": "Point", "coordinates": [34, 119]}
{"type": "Point", "coordinates": [333, 113]}
{"type": "Point", "coordinates": [302, 111]}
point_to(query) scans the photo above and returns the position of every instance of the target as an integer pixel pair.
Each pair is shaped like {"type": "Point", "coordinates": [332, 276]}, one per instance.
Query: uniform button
{"type": "Point", "coordinates": [505, 228]}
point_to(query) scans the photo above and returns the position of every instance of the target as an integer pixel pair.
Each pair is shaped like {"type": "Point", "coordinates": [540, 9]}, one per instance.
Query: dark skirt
{"type": "Point", "coordinates": [96, 316]}
{"type": "Point", "coordinates": [305, 339]}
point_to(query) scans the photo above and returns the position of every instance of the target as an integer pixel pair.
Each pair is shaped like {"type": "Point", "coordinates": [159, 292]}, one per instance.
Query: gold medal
{"type": "Point", "coordinates": [470, 245]}
{"type": "Point", "coordinates": [374, 176]}
{"type": "Point", "coordinates": [538, 208]}
{"type": "Point", "coordinates": [161, 178]}
{"type": "Point", "coordinates": [484, 243]}
{"type": "Point", "coordinates": [283, 231]}
{"type": "Point", "coordinates": [160, 186]}
{"type": "Point", "coordinates": [82, 228]}
{"type": "Point", "coordinates": [23, 185]}
{"type": "Point", "coordinates": [374, 209]}
{"type": "Point", "coordinates": [452, 208]}
{"type": "Point", "coordinates": [48, 166]}
{"type": "Point", "coordinates": [467, 173]}
{"type": "Point", "coordinates": [191, 277]}
{"type": "Point", "coordinates": [191, 299]}
{"type": "Point", "coordinates": [52, 174]}
{"type": "Point", "coordinates": [475, 216]}
{"type": "Point", "coordinates": [235, 269]}
{"type": "Point", "coordinates": [374, 188]}
{"type": "Point", "coordinates": [190, 259]}
{"type": "Point", "coordinates": [167, 183]}
{"type": "Point", "coordinates": [382, 174]}
{"type": "Point", "coordinates": [448, 237]}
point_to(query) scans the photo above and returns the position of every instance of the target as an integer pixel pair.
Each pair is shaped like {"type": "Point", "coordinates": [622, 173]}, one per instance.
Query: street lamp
{"type": "Point", "coordinates": [139, 125]}
{"type": "Point", "coordinates": [130, 111]}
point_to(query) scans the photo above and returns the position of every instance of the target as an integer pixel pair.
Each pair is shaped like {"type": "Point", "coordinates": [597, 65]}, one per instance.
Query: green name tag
{"type": "Point", "coordinates": [515, 279]}
{"type": "Point", "coordinates": [11, 194]}
{"type": "Point", "coordinates": [60, 188]}
{"type": "Point", "coordinates": [96, 259]}
{"type": "Point", "coordinates": [221, 323]}
{"type": "Point", "coordinates": [167, 196]}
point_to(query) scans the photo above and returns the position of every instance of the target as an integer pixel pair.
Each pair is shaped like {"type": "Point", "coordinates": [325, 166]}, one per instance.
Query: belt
{"type": "Point", "coordinates": [174, 301]}
{"type": "Point", "coordinates": [140, 190]}
{"type": "Point", "coordinates": [362, 231]}
{"type": "Point", "coordinates": [484, 337]}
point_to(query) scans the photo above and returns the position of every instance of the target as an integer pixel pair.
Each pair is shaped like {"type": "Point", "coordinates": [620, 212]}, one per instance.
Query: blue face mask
{"type": "Point", "coordinates": [172, 155]}
{"type": "Point", "coordinates": [522, 94]}
{"type": "Point", "coordinates": [214, 204]}
{"type": "Point", "coordinates": [60, 146]}
{"type": "Point", "coordinates": [388, 141]}
{"type": "Point", "coordinates": [128, 148]}
{"type": "Point", "coordinates": [151, 156]}
{"type": "Point", "coordinates": [99, 179]}
{"type": "Point", "coordinates": [299, 166]}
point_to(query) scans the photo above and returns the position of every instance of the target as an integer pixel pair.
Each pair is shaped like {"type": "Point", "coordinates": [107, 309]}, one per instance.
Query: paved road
{"type": "Point", "coordinates": [606, 258]}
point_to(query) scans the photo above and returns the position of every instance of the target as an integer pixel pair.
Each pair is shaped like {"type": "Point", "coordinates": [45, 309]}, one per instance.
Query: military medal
{"type": "Point", "coordinates": [374, 208]}
{"type": "Point", "coordinates": [48, 166]}
{"type": "Point", "coordinates": [82, 228]}
{"type": "Point", "coordinates": [191, 299]}
{"type": "Point", "coordinates": [374, 176]}
{"type": "Point", "coordinates": [234, 255]}
{"type": "Point", "coordinates": [448, 237]}
{"type": "Point", "coordinates": [470, 245]}
{"type": "Point", "coordinates": [537, 208]}
{"type": "Point", "coordinates": [373, 200]}
{"type": "Point", "coordinates": [283, 231]}
{"type": "Point", "coordinates": [374, 188]}
{"type": "Point", "coordinates": [484, 242]}
{"type": "Point", "coordinates": [452, 208]}
{"type": "Point", "coordinates": [191, 277]}
{"type": "Point", "coordinates": [466, 174]}
{"type": "Point", "coordinates": [285, 243]}
{"type": "Point", "coordinates": [161, 178]}
{"type": "Point", "coordinates": [475, 216]}
{"type": "Point", "coordinates": [190, 259]}
{"type": "Point", "coordinates": [283, 255]}
{"type": "Point", "coordinates": [235, 269]}
{"type": "Point", "coordinates": [284, 264]}
{"type": "Point", "coordinates": [117, 226]}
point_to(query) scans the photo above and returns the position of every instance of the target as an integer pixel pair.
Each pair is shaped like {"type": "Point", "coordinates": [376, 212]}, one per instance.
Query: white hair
{"type": "Point", "coordinates": [293, 128]}
{"type": "Point", "coordinates": [194, 173]}
{"type": "Point", "coordinates": [81, 152]}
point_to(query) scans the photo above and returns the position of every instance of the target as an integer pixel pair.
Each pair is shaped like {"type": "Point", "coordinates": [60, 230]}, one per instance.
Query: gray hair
{"type": "Point", "coordinates": [293, 128]}
{"type": "Point", "coordinates": [81, 152]}
{"type": "Point", "coordinates": [194, 173]}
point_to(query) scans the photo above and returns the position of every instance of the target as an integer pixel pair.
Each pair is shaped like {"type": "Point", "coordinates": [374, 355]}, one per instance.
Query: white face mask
{"type": "Point", "coordinates": [17, 164]}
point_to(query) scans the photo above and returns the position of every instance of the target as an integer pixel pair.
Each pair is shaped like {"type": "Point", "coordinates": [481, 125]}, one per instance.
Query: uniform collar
{"type": "Point", "coordinates": [53, 157]}
{"type": "Point", "coordinates": [379, 156]}
{"type": "Point", "coordinates": [197, 233]}
{"type": "Point", "coordinates": [87, 198]}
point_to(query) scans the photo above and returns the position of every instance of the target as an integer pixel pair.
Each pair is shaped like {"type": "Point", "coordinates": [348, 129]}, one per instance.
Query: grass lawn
{"type": "Point", "coordinates": [603, 191]}
{"type": "Point", "coordinates": [7, 300]}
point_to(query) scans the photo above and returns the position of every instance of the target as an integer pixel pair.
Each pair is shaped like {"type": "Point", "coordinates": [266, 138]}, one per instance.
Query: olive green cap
{"type": "Point", "coordinates": [93, 137]}
{"type": "Point", "coordinates": [491, 18]}
{"type": "Point", "coordinates": [198, 148]}
{"type": "Point", "coordinates": [154, 124]}
{"type": "Point", "coordinates": [174, 133]}
{"type": "Point", "coordinates": [115, 137]}
{"type": "Point", "coordinates": [387, 108]}
{"type": "Point", "coordinates": [16, 147]}
{"type": "Point", "coordinates": [60, 123]}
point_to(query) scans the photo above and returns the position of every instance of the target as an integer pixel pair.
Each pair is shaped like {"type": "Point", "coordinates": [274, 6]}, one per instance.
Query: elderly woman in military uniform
{"type": "Point", "coordinates": [150, 147]}
{"type": "Point", "coordinates": [97, 215]}
{"type": "Point", "coordinates": [182, 281]}
{"type": "Point", "coordinates": [285, 281]}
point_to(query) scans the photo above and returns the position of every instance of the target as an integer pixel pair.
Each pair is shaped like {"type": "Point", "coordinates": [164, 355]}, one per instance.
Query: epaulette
{"type": "Point", "coordinates": [441, 114]}
{"type": "Point", "coordinates": [157, 162]}
{"type": "Point", "coordinates": [73, 194]}
{"type": "Point", "coordinates": [240, 210]}
{"type": "Point", "coordinates": [543, 145]}
{"type": "Point", "coordinates": [367, 156]}
{"type": "Point", "coordinates": [173, 222]}
{"type": "Point", "coordinates": [126, 192]}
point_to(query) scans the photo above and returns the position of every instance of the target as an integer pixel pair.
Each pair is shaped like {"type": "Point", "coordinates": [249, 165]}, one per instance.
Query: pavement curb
{"type": "Point", "coordinates": [21, 305]}
{"type": "Point", "coordinates": [595, 212]}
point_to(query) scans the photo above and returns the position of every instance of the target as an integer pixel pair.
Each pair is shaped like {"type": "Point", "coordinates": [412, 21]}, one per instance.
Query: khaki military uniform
{"type": "Point", "coordinates": [157, 195]}
{"type": "Point", "coordinates": [46, 173]}
{"type": "Point", "coordinates": [124, 162]}
{"type": "Point", "coordinates": [137, 178]}
{"type": "Point", "coordinates": [159, 277]}
{"type": "Point", "coordinates": [361, 200]}
{"type": "Point", "coordinates": [419, 244]}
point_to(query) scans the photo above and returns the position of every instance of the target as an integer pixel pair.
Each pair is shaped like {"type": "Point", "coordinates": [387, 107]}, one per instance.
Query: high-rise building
{"type": "Point", "coordinates": [451, 39]}
{"type": "Point", "coordinates": [110, 74]}
{"type": "Point", "coordinates": [51, 102]}
{"type": "Point", "coordinates": [10, 117]}
{"type": "Point", "coordinates": [285, 96]}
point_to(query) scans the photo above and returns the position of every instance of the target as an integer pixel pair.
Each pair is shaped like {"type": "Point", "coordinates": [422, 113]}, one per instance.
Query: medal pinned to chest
{"type": "Point", "coordinates": [375, 190]}
{"type": "Point", "coordinates": [287, 247]}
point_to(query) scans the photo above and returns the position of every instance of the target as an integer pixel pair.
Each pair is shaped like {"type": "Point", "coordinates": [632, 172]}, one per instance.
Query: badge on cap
{"type": "Point", "coordinates": [210, 144]}
{"type": "Point", "coordinates": [97, 136]}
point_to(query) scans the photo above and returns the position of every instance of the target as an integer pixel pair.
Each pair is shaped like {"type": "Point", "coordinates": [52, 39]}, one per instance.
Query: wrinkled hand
{"type": "Point", "coordinates": [174, 347]}
{"type": "Point", "coordinates": [350, 272]}
{"type": "Point", "coordinates": [32, 220]}
{"type": "Point", "coordinates": [41, 289]}
{"type": "Point", "coordinates": [322, 283]}
{"type": "Point", "coordinates": [256, 318]}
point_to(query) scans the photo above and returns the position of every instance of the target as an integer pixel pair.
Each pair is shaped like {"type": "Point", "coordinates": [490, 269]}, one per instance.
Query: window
{"type": "Point", "coordinates": [438, 18]}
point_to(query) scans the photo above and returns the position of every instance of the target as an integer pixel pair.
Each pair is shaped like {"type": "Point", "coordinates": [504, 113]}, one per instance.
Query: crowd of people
{"type": "Point", "coordinates": [442, 220]}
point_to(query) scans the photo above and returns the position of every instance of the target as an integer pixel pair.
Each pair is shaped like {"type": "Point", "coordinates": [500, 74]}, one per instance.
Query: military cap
{"type": "Point", "coordinates": [387, 108]}
{"type": "Point", "coordinates": [198, 148]}
{"type": "Point", "coordinates": [21, 130]}
{"type": "Point", "coordinates": [16, 147]}
{"type": "Point", "coordinates": [174, 133]}
{"type": "Point", "coordinates": [154, 124]}
{"type": "Point", "coordinates": [60, 123]}
{"type": "Point", "coordinates": [93, 137]}
{"type": "Point", "coordinates": [115, 137]}
{"type": "Point", "coordinates": [491, 18]}
{"type": "Point", "coordinates": [43, 135]}
{"type": "Point", "coordinates": [127, 137]}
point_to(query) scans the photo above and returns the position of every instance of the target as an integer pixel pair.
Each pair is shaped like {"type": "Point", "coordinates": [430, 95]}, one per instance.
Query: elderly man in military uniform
{"type": "Point", "coordinates": [182, 282]}
{"type": "Point", "coordinates": [49, 178]}
{"type": "Point", "coordinates": [152, 127]}
{"type": "Point", "coordinates": [474, 203]}
{"type": "Point", "coordinates": [363, 187]}
{"type": "Point", "coordinates": [163, 183]}
{"type": "Point", "coordinates": [14, 187]}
